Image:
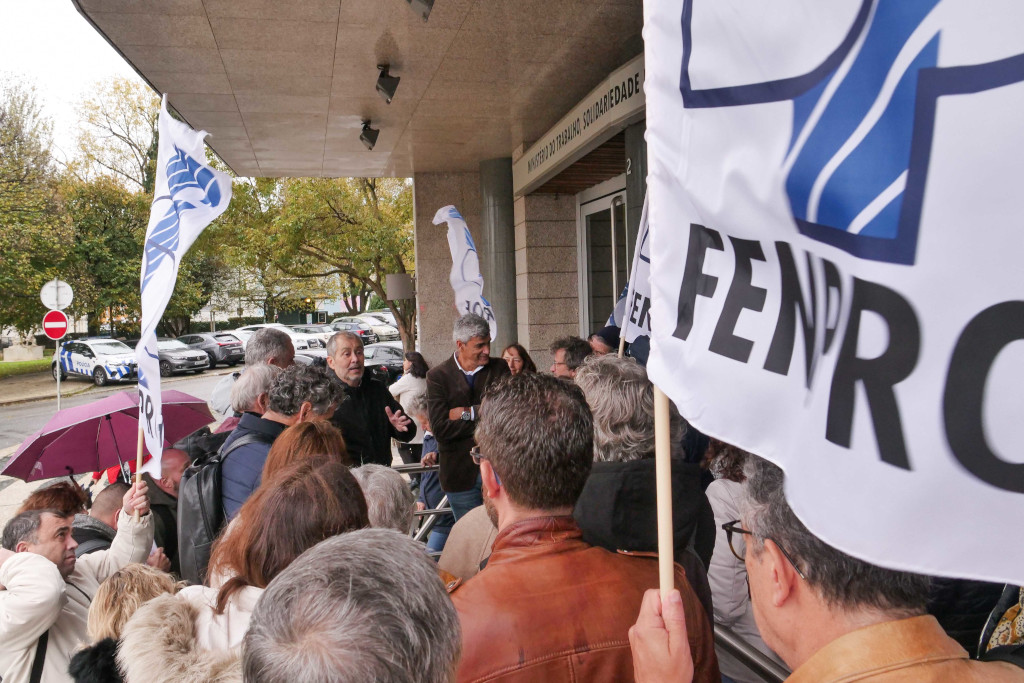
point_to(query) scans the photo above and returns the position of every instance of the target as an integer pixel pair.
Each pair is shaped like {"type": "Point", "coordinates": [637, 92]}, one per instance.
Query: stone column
{"type": "Point", "coordinates": [546, 272]}
{"type": "Point", "coordinates": [434, 298]}
{"type": "Point", "coordinates": [497, 247]}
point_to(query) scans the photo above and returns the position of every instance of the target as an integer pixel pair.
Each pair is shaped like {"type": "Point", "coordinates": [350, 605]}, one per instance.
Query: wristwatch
{"type": "Point", "coordinates": [467, 415]}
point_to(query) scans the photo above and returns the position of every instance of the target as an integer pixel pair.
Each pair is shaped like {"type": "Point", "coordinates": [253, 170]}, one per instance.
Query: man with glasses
{"type": "Point", "coordinates": [569, 353]}
{"type": "Point", "coordinates": [548, 606]}
{"type": "Point", "coordinates": [831, 617]}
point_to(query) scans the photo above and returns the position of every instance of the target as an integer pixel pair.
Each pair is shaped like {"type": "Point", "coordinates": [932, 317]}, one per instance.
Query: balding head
{"type": "Point", "coordinates": [107, 502]}
{"type": "Point", "coordinates": [172, 465]}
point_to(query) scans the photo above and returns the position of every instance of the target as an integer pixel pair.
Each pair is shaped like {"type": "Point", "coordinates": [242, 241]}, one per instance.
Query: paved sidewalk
{"type": "Point", "coordinates": [41, 385]}
{"type": "Point", "coordinates": [36, 386]}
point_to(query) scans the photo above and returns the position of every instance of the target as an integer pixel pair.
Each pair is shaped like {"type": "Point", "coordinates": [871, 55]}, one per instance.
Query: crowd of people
{"type": "Point", "coordinates": [545, 527]}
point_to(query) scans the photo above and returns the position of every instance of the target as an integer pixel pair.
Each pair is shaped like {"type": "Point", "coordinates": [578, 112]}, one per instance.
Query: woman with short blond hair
{"type": "Point", "coordinates": [116, 600]}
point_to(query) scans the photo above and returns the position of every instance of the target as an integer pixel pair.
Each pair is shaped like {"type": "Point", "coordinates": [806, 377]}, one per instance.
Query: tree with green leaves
{"type": "Point", "coordinates": [358, 228]}
{"type": "Point", "coordinates": [33, 233]}
{"type": "Point", "coordinates": [247, 233]}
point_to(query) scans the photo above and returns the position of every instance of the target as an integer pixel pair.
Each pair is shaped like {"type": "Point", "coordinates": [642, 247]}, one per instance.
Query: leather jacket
{"type": "Point", "coordinates": [549, 607]}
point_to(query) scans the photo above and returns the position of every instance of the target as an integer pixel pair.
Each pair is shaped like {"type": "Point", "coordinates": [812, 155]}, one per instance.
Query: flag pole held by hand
{"type": "Point", "coordinates": [663, 474]}
{"type": "Point", "coordinates": [138, 465]}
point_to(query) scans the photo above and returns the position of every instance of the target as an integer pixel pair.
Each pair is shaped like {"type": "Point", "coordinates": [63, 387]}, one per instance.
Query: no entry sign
{"type": "Point", "coordinates": [55, 324]}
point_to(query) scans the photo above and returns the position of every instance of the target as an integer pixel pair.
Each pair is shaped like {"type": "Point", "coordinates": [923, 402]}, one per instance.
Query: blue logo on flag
{"type": "Point", "coordinates": [863, 123]}
{"type": "Point", "coordinates": [184, 175]}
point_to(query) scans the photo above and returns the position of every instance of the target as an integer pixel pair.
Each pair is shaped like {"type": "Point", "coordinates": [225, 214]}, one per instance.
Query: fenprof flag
{"type": "Point", "coordinates": [465, 278]}
{"type": "Point", "coordinates": [188, 196]}
{"type": "Point", "coordinates": [836, 245]}
{"type": "Point", "coordinates": [636, 313]}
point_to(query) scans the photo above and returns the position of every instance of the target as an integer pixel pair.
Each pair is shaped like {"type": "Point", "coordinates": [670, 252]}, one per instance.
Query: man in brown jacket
{"type": "Point", "coordinates": [547, 606]}
{"type": "Point", "coordinates": [454, 391]}
{"type": "Point", "coordinates": [829, 616]}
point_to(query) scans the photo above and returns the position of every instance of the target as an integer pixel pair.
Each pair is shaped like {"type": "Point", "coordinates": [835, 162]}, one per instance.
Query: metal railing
{"type": "Point", "coordinates": [749, 656]}
{"type": "Point", "coordinates": [430, 516]}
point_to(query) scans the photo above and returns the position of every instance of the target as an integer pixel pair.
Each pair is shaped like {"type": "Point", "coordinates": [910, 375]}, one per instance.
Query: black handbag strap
{"type": "Point", "coordinates": [40, 660]}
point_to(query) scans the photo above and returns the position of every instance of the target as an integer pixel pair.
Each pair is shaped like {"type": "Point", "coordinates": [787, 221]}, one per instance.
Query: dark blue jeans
{"type": "Point", "coordinates": [437, 539]}
{"type": "Point", "coordinates": [464, 501]}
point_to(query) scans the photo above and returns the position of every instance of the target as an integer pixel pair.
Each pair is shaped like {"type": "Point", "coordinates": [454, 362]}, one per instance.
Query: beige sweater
{"type": "Point", "coordinates": [36, 598]}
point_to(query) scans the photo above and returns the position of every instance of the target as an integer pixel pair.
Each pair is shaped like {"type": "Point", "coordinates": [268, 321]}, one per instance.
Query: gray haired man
{"type": "Point", "coordinates": [370, 416]}
{"type": "Point", "coordinates": [363, 606]}
{"type": "Point", "coordinates": [269, 346]}
{"type": "Point", "coordinates": [299, 394]}
{"type": "Point", "coordinates": [455, 389]}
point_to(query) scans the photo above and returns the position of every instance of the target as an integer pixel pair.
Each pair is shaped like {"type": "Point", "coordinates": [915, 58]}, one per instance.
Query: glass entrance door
{"type": "Point", "coordinates": [605, 258]}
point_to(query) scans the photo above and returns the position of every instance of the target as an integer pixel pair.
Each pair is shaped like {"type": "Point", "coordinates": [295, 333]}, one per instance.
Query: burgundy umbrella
{"type": "Point", "coordinates": [100, 435]}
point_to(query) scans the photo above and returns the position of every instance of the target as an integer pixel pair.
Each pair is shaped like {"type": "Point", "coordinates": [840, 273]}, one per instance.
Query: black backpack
{"type": "Point", "coordinates": [201, 510]}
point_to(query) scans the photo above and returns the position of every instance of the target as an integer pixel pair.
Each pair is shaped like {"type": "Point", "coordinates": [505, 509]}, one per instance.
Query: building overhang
{"type": "Point", "coordinates": [283, 87]}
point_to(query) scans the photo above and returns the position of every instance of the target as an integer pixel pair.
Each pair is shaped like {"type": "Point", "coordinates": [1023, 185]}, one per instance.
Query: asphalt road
{"type": "Point", "coordinates": [21, 420]}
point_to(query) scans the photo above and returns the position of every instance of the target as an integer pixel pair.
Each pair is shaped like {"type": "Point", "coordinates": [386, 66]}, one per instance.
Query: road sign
{"type": "Point", "coordinates": [56, 294]}
{"type": "Point", "coordinates": [55, 324]}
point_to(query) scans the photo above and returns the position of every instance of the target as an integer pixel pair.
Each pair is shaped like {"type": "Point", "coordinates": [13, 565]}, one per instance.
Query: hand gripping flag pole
{"type": "Point", "coordinates": [188, 196]}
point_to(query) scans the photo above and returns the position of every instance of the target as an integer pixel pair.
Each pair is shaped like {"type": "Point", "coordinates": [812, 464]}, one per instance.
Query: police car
{"type": "Point", "coordinates": [100, 359]}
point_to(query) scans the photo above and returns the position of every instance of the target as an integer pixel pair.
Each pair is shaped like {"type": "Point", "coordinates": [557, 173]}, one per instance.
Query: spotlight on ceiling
{"type": "Point", "coordinates": [386, 83]}
{"type": "Point", "coordinates": [369, 135]}
{"type": "Point", "coordinates": [422, 7]}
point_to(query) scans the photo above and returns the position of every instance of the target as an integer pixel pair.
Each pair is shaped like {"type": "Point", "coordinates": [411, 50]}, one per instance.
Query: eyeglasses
{"type": "Point", "coordinates": [734, 527]}
{"type": "Point", "coordinates": [477, 456]}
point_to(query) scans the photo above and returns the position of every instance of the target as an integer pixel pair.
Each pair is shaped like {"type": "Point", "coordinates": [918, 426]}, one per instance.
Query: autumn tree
{"type": "Point", "coordinates": [359, 228]}
{"type": "Point", "coordinates": [119, 132]}
{"type": "Point", "coordinates": [248, 234]}
{"type": "Point", "coordinates": [33, 234]}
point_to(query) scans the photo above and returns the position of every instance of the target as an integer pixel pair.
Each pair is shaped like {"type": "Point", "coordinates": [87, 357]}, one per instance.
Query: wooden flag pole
{"type": "Point", "coordinates": [138, 463]}
{"type": "Point", "coordinates": [622, 344]}
{"type": "Point", "coordinates": [663, 473]}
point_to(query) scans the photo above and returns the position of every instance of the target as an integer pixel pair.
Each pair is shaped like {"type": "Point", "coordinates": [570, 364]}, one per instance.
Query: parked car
{"type": "Point", "coordinates": [177, 357]}
{"type": "Point", "coordinates": [317, 357]}
{"type": "Point", "coordinates": [242, 336]}
{"type": "Point", "coordinates": [386, 355]}
{"type": "Point", "coordinates": [299, 340]}
{"type": "Point", "coordinates": [220, 347]}
{"type": "Point", "coordinates": [364, 331]}
{"type": "Point", "coordinates": [324, 332]}
{"type": "Point", "coordinates": [98, 358]}
{"type": "Point", "coordinates": [383, 332]}
{"type": "Point", "coordinates": [385, 316]}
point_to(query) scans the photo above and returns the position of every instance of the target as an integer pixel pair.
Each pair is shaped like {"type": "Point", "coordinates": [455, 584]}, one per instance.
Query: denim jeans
{"type": "Point", "coordinates": [464, 501]}
{"type": "Point", "coordinates": [437, 539]}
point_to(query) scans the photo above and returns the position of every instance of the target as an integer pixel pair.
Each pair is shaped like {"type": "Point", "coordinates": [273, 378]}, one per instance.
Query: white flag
{"type": "Point", "coordinates": [467, 282]}
{"type": "Point", "coordinates": [836, 261]}
{"type": "Point", "coordinates": [636, 316]}
{"type": "Point", "coordinates": [187, 197]}
{"type": "Point", "coordinates": [619, 312]}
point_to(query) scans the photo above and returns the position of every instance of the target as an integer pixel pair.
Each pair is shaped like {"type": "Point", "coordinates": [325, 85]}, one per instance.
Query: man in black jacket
{"type": "Point", "coordinates": [455, 389]}
{"type": "Point", "coordinates": [369, 417]}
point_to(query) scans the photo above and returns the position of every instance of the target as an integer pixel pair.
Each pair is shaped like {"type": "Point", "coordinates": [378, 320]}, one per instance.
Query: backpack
{"type": "Point", "coordinates": [201, 510]}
